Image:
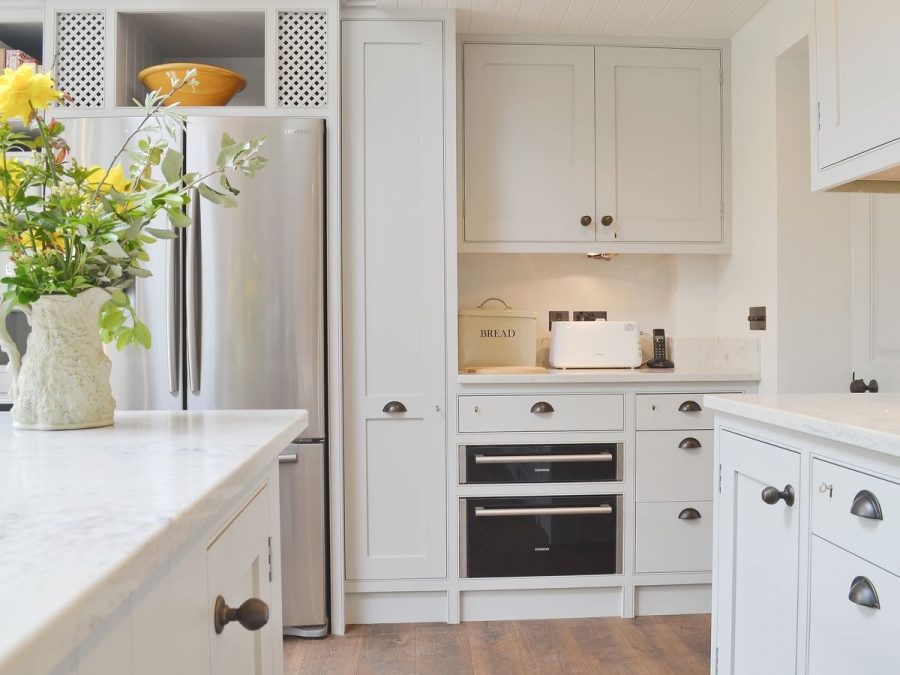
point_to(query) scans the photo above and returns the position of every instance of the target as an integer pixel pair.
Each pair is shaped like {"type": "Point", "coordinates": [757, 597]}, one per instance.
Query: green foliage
{"type": "Point", "coordinates": [68, 227]}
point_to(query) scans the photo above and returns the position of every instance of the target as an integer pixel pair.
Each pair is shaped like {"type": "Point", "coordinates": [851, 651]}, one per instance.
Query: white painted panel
{"type": "Point", "coordinates": [845, 637]}
{"type": "Point", "coordinates": [835, 490]}
{"type": "Point", "coordinates": [666, 472]}
{"type": "Point", "coordinates": [666, 543]}
{"type": "Point", "coordinates": [663, 412]}
{"type": "Point", "coordinates": [570, 412]}
{"type": "Point", "coordinates": [667, 600]}
{"type": "Point", "coordinates": [152, 627]}
{"type": "Point", "coordinates": [107, 651]}
{"type": "Point", "coordinates": [238, 569]}
{"type": "Point", "coordinates": [529, 136]}
{"type": "Point", "coordinates": [758, 558]}
{"type": "Point", "coordinates": [557, 603]}
{"type": "Point", "coordinates": [857, 75]}
{"type": "Point", "coordinates": [659, 144]}
{"type": "Point", "coordinates": [409, 607]}
{"type": "Point", "coordinates": [190, 613]}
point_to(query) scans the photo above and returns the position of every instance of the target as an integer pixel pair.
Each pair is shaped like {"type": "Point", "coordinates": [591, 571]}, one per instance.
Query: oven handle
{"type": "Point", "coordinates": [527, 459]}
{"type": "Point", "coordinates": [481, 512]}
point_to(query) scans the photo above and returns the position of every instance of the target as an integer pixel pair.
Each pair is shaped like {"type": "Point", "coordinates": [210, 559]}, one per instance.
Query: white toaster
{"type": "Point", "coordinates": [595, 344]}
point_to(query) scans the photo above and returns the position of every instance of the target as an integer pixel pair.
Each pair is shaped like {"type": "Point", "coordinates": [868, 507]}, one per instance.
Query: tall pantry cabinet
{"type": "Point", "coordinates": [393, 259]}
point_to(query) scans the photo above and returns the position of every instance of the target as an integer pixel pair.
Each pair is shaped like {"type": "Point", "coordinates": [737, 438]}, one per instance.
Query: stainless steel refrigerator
{"type": "Point", "coordinates": [236, 309]}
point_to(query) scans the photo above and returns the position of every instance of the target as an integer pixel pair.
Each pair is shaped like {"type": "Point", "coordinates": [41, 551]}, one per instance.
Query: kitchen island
{"type": "Point", "coordinates": [117, 542]}
{"type": "Point", "coordinates": [806, 574]}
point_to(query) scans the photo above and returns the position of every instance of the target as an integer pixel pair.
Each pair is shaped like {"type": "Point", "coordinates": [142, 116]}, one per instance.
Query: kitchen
{"type": "Point", "coordinates": [660, 179]}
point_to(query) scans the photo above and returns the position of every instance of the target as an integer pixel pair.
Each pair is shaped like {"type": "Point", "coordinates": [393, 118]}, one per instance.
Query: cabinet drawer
{"type": "Point", "coordinates": [845, 637]}
{"type": "Point", "coordinates": [674, 466]}
{"type": "Point", "coordinates": [566, 412]}
{"type": "Point", "coordinates": [665, 542]}
{"type": "Point", "coordinates": [835, 491]}
{"type": "Point", "coordinates": [671, 411]}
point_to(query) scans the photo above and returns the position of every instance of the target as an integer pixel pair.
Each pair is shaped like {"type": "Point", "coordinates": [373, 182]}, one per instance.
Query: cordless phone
{"type": "Point", "coordinates": [659, 359]}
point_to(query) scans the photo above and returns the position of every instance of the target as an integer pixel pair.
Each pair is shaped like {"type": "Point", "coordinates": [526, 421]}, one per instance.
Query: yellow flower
{"type": "Point", "coordinates": [27, 238]}
{"type": "Point", "coordinates": [116, 180]}
{"type": "Point", "coordinates": [23, 89]}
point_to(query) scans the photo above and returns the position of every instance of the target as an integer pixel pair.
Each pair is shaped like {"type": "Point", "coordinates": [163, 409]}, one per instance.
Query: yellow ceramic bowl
{"type": "Point", "coordinates": [217, 85]}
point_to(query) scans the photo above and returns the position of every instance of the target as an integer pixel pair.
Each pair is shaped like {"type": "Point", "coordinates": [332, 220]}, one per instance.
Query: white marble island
{"type": "Point", "coordinates": [111, 536]}
{"type": "Point", "coordinates": [807, 533]}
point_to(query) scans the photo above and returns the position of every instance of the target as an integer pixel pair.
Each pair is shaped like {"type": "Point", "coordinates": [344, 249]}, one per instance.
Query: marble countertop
{"type": "Point", "coordinates": [87, 516]}
{"type": "Point", "coordinates": [609, 375]}
{"type": "Point", "coordinates": [870, 421]}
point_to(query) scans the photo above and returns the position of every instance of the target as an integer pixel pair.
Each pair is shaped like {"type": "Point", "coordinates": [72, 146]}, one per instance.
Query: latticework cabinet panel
{"type": "Point", "coordinates": [81, 58]}
{"type": "Point", "coordinates": [302, 59]}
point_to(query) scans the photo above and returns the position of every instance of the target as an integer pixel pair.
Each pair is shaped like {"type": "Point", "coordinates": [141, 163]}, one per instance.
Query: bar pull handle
{"type": "Point", "coordinates": [289, 459]}
{"type": "Point", "coordinates": [173, 310]}
{"type": "Point", "coordinates": [194, 295]}
{"type": "Point", "coordinates": [542, 407]}
{"type": "Point", "coordinates": [525, 459]}
{"type": "Point", "coordinates": [689, 443]}
{"type": "Point", "coordinates": [689, 406]}
{"type": "Point", "coordinates": [866, 505]}
{"type": "Point", "coordinates": [394, 407]}
{"type": "Point", "coordinates": [863, 593]}
{"type": "Point", "coordinates": [689, 514]}
{"type": "Point", "coordinates": [481, 512]}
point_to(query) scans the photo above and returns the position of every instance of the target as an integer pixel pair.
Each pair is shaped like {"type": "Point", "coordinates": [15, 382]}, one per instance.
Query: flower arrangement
{"type": "Point", "coordinates": [69, 227]}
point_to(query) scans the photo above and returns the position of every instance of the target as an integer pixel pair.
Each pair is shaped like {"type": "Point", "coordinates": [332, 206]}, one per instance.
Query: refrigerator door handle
{"type": "Point", "coordinates": [193, 293]}
{"type": "Point", "coordinates": [173, 313]}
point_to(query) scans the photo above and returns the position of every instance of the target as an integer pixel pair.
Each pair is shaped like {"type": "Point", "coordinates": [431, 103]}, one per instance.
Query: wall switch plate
{"type": "Point", "coordinates": [757, 318]}
{"type": "Point", "coordinates": [556, 315]}
{"type": "Point", "coordinates": [599, 315]}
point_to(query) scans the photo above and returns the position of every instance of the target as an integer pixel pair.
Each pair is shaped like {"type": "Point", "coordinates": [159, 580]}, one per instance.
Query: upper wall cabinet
{"type": "Point", "coordinates": [582, 148]}
{"type": "Point", "coordinates": [855, 81]}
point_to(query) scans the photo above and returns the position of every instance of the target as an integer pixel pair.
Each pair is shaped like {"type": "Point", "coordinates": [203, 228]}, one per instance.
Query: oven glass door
{"type": "Point", "coordinates": [542, 536]}
{"type": "Point", "coordinates": [545, 463]}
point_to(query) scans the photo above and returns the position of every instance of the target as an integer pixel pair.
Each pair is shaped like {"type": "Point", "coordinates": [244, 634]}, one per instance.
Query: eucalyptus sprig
{"type": "Point", "coordinates": [69, 227]}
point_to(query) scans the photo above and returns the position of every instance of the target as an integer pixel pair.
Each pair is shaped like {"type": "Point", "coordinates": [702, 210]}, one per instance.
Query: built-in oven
{"type": "Point", "coordinates": [540, 463]}
{"type": "Point", "coordinates": [540, 536]}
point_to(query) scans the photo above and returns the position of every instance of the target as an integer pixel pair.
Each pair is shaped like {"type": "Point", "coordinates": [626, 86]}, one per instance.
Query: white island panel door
{"type": "Point", "coordinates": [758, 544]}
{"type": "Point", "coordinates": [529, 143]}
{"type": "Point", "coordinates": [393, 238]}
{"type": "Point", "coordinates": [659, 145]}
{"type": "Point", "coordinates": [857, 69]}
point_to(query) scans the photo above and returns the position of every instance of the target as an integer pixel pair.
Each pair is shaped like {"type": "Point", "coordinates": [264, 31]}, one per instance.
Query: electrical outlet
{"type": "Point", "coordinates": [590, 316]}
{"type": "Point", "coordinates": [556, 315]}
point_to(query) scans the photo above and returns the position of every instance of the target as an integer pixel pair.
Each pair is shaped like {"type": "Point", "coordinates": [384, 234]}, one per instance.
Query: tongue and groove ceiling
{"type": "Point", "coordinates": [718, 19]}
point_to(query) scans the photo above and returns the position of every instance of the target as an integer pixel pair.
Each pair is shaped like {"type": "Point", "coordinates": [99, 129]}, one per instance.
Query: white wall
{"type": "Point", "coordinates": [814, 305]}
{"type": "Point", "coordinates": [749, 277]}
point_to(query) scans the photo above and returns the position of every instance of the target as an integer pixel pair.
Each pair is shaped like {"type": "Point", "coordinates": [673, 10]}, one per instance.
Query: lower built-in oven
{"type": "Point", "coordinates": [540, 536]}
{"type": "Point", "coordinates": [540, 463]}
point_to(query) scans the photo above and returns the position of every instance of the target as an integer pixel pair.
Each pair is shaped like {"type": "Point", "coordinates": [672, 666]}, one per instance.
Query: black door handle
{"type": "Point", "coordinates": [863, 593]}
{"type": "Point", "coordinates": [689, 514]}
{"type": "Point", "coordinates": [394, 407]}
{"type": "Point", "coordinates": [542, 407]}
{"type": "Point", "coordinates": [689, 406]}
{"type": "Point", "coordinates": [689, 443]}
{"type": "Point", "coordinates": [771, 495]}
{"type": "Point", "coordinates": [865, 505]}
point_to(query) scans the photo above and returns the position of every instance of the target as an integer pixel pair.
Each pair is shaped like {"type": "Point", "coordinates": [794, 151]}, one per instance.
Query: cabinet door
{"type": "Point", "coordinates": [529, 143]}
{"type": "Point", "coordinates": [394, 350]}
{"type": "Point", "coordinates": [659, 144]}
{"type": "Point", "coordinates": [238, 569]}
{"type": "Point", "coordinates": [758, 543]}
{"type": "Point", "coordinates": [857, 69]}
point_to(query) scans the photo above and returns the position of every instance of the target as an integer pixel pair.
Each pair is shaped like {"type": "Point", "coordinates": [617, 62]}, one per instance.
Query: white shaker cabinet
{"type": "Point", "coordinates": [855, 61]}
{"type": "Point", "coordinates": [571, 146]}
{"type": "Point", "coordinates": [529, 143]}
{"type": "Point", "coordinates": [659, 145]}
{"type": "Point", "coordinates": [756, 585]}
{"type": "Point", "coordinates": [393, 257]}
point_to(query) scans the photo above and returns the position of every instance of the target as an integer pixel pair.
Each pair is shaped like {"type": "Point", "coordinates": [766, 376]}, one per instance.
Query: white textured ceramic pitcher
{"type": "Point", "coordinates": [62, 382]}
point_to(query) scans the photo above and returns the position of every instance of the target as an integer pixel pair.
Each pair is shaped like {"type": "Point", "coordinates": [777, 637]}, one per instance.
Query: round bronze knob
{"type": "Point", "coordinates": [772, 495]}
{"type": "Point", "coordinates": [253, 614]}
{"type": "Point", "coordinates": [586, 220]}
{"type": "Point", "coordinates": [606, 221]}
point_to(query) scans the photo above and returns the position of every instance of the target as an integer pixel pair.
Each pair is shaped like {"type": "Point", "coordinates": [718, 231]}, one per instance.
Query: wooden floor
{"type": "Point", "coordinates": [647, 645]}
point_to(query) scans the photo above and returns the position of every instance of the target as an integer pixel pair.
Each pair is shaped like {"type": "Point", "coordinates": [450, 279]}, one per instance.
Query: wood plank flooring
{"type": "Point", "coordinates": [644, 646]}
